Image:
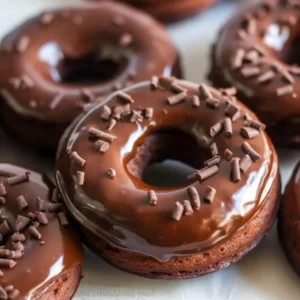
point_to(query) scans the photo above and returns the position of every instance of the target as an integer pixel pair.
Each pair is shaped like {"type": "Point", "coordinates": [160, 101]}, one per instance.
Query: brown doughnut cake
{"type": "Point", "coordinates": [289, 221]}
{"type": "Point", "coordinates": [40, 254]}
{"type": "Point", "coordinates": [57, 64]}
{"type": "Point", "coordinates": [171, 10]}
{"type": "Point", "coordinates": [257, 51]}
{"type": "Point", "coordinates": [208, 222]}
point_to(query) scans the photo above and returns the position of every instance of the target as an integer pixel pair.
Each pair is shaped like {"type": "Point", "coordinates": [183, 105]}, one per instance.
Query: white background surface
{"type": "Point", "coordinates": [263, 274]}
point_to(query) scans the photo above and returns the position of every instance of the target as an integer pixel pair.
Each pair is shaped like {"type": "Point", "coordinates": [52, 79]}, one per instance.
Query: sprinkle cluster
{"type": "Point", "coordinates": [251, 59]}
{"type": "Point", "coordinates": [15, 233]}
{"type": "Point", "coordinates": [212, 98]}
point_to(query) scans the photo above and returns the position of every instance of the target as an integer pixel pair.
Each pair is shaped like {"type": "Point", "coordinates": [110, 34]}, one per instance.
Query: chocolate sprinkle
{"type": "Point", "coordinates": [246, 147]}
{"type": "Point", "coordinates": [2, 200]}
{"type": "Point", "coordinates": [228, 155]}
{"type": "Point", "coordinates": [124, 97]}
{"type": "Point", "coordinates": [250, 71]}
{"type": "Point", "coordinates": [4, 228]}
{"type": "Point", "coordinates": [195, 101]}
{"type": "Point", "coordinates": [284, 90]}
{"type": "Point", "coordinates": [56, 100]}
{"type": "Point", "coordinates": [87, 95]}
{"type": "Point", "coordinates": [3, 294]}
{"type": "Point", "coordinates": [265, 77]}
{"type": "Point", "coordinates": [7, 173]}
{"type": "Point", "coordinates": [95, 133]}
{"type": "Point", "coordinates": [154, 82]}
{"type": "Point", "coordinates": [112, 124]}
{"type": "Point", "coordinates": [232, 111]}
{"type": "Point", "coordinates": [212, 102]}
{"type": "Point", "coordinates": [216, 129]}
{"type": "Point", "coordinates": [117, 113]}
{"type": "Point", "coordinates": [245, 163]}
{"type": "Point", "coordinates": [47, 18]}
{"type": "Point", "coordinates": [152, 198]}
{"type": "Point", "coordinates": [41, 204]}
{"type": "Point", "coordinates": [126, 39]}
{"type": "Point", "coordinates": [41, 217]}
{"type": "Point", "coordinates": [80, 177]}
{"type": "Point", "coordinates": [18, 179]}
{"type": "Point", "coordinates": [101, 146]}
{"type": "Point", "coordinates": [111, 173]}
{"type": "Point", "coordinates": [34, 232]}
{"type": "Point", "coordinates": [21, 223]}
{"type": "Point", "coordinates": [22, 44]}
{"type": "Point", "coordinates": [249, 133]}
{"type": "Point", "coordinates": [188, 210]}
{"type": "Point", "coordinates": [207, 172]}
{"type": "Point", "coordinates": [213, 161]}
{"type": "Point", "coordinates": [149, 112]}
{"type": "Point", "coordinates": [18, 237]}
{"type": "Point", "coordinates": [209, 194]}
{"type": "Point", "coordinates": [237, 61]}
{"type": "Point", "coordinates": [62, 219]}
{"type": "Point", "coordinates": [214, 149]}
{"type": "Point", "coordinates": [235, 170]}
{"type": "Point", "coordinates": [2, 189]}
{"type": "Point", "coordinates": [193, 193]}
{"type": "Point", "coordinates": [204, 91]}
{"type": "Point", "coordinates": [22, 203]}
{"type": "Point", "coordinates": [178, 211]}
{"type": "Point", "coordinates": [175, 99]}
{"type": "Point", "coordinates": [254, 124]}
{"type": "Point", "coordinates": [228, 127]}
{"type": "Point", "coordinates": [4, 253]}
{"type": "Point", "coordinates": [106, 112]}
{"type": "Point", "coordinates": [7, 263]}
{"type": "Point", "coordinates": [78, 159]}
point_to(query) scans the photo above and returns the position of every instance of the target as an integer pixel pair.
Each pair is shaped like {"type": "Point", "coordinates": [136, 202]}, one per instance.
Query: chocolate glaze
{"type": "Point", "coordinates": [289, 220]}
{"type": "Point", "coordinates": [71, 51]}
{"type": "Point", "coordinates": [171, 10]}
{"type": "Point", "coordinates": [117, 210]}
{"type": "Point", "coordinates": [276, 33]}
{"type": "Point", "coordinates": [40, 263]}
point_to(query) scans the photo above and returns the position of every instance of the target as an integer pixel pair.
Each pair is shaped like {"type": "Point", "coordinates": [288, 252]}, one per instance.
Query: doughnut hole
{"type": "Point", "coordinates": [166, 158]}
{"type": "Point", "coordinates": [97, 66]}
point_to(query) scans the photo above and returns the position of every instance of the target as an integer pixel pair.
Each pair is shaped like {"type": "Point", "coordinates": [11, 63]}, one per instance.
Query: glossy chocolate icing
{"type": "Point", "coordinates": [276, 34]}
{"type": "Point", "coordinates": [171, 10]}
{"type": "Point", "coordinates": [71, 54]}
{"type": "Point", "coordinates": [40, 263]}
{"type": "Point", "coordinates": [117, 210]}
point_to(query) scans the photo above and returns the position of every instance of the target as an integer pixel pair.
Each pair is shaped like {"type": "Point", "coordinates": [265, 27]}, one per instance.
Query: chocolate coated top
{"type": "Point", "coordinates": [257, 51]}
{"type": "Point", "coordinates": [39, 58]}
{"type": "Point", "coordinates": [118, 208]}
{"type": "Point", "coordinates": [42, 260]}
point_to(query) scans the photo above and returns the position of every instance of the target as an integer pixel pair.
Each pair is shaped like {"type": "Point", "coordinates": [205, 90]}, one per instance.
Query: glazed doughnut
{"type": "Point", "coordinates": [40, 254]}
{"type": "Point", "coordinates": [289, 221]}
{"type": "Point", "coordinates": [171, 10]}
{"type": "Point", "coordinates": [56, 64]}
{"type": "Point", "coordinates": [209, 221]}
{"type": "Point", "coordinates": [258, 52]}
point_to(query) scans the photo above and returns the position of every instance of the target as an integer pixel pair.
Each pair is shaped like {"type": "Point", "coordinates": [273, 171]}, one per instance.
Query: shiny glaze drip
{"type": "Point", "coordinates": [40, 263]}
{"type": "Point", "coordinates": [117, 210]}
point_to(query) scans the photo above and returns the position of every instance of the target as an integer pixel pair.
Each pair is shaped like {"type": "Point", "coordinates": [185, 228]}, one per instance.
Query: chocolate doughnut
{"type": "Point", "coordinates": [56, 64]}
{"type": "Point", "coordinates": [40, 254]}
{"type": "Point", "coordinates": [289, 221]}
{"type": "Point", "coordinates": [209, 221]}
{"type": "Point", "coordinates": [258, 52]}
{"type": "Point", "coordinates": [171, 10]}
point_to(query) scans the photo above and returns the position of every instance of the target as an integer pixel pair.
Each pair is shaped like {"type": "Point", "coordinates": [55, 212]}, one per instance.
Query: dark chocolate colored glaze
{"type": "Point", "coordinates": [289, 220]}
{"type": "Point", "coordinates": [117, 210]}
{"type": "Point", "coordinates": [171, 10]}
{"type": "Point", "coordinates": [77, 51]}
{"type": "Point", "coordinates": [276, 36]}
{"type": "Point", "coordinates": [40, 263]}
